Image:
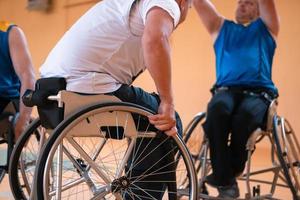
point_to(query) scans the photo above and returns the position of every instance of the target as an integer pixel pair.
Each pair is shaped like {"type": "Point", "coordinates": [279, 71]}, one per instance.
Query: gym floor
{"type": "Point", "coordinates": [259, 162]}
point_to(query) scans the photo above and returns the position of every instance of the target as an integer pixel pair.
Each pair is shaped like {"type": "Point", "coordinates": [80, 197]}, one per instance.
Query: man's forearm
{"type": "Point", "coordinates": [158, 62]}
{"type": "Point", "coordinates": [23, 66]}
{"type": "Point", "coordinates": [27, 82]}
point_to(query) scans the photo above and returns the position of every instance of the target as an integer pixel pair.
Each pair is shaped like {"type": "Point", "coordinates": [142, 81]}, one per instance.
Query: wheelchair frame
{"type": "Point", "coordinates": [7, 121]}
{"type": "Point", "coordinates": [71, 103]}
{"type": "Point", "coordinates": [277, 132]}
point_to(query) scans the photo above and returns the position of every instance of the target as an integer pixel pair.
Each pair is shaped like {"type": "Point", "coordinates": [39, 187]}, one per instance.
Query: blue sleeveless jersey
{"type": "Point", "coordinates": [244, 55]}
{"type": "Point", "coordinates": [9, 81]}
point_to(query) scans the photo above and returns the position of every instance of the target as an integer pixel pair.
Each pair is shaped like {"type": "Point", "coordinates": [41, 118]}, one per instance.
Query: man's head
{"type": "Point", "coordinates": [246, 11]}
{"type": "Point", "coordinates": [184, 6]}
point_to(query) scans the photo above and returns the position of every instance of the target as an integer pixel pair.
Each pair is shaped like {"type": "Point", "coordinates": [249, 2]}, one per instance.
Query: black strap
{"type": "Point", "coordinates": [262, 92]}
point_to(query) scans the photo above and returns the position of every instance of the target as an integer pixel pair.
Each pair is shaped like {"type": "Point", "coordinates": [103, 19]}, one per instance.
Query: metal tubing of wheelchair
{"type": "Point", "coordinates": [42, 139]}
{"type": "Point", "coordinates": [69, 185]}
{"type": "Point", "coordinates": [88, 167]}
{"type": "Point", "coordinates": [41, 144]}
{"type": "Point", "coordinates": [74, 162]}
{"type": "Point", "coordinates": [273, 149]}
{"type": "Point", "coordinates": [248, 174]}
{"type": "Point", "coordinates": [276, 176]}
{"type": "Point", "coordinates": [59, 171]}
{"type": "Point", "coordinates": [286, 140]}
{"type": "Point", "coordinates": [283, 135]}
{"type": "Point", "coordinates": [282, 178]}
{"type": "Point", "coordinates": [101, 192]}
{"type": "Point", "coordinates": [293, 150]}
{"type": "Point", "coordinates": [265, 170]}
{"type": "Point", "coordinates": [126, 157]}
{"type": "Point", "coordinates": [294, 136]}
{"type": "Point", "coordinates": [82, 171]}
{"type": "Point", "coordinates": [204, 165]}
{"type": "Point", "coordinates": [98, 192]}
{"type": "Point", "coordinates": [280, 153]}
{"type": "Point", "coordinates": [89, 160]}
{"type": "Point", "coordinates": [146, 135]}
{"type": "Point", "coordinates": [26, 183]}
{"type": "Point", "coordinates": [276, 166]}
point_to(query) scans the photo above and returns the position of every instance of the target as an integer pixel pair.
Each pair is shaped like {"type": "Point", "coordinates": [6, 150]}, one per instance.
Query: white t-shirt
{"type": "Point", "coordinates": [102, 50]}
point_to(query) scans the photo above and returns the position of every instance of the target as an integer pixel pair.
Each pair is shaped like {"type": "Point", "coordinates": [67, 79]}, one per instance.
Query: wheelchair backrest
{"type": "Point", "coordinates": [49, 112]}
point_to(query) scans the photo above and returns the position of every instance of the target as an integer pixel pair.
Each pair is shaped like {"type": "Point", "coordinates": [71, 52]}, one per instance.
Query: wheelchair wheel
{"type": "Point", "coordinates": [197, 144]}
{"type": "Point", "coordinates": [23, 161]}
{"type": "Point", "coordinates": [110, 151]}
{"type": "Point", "coordinates": [288, 150]}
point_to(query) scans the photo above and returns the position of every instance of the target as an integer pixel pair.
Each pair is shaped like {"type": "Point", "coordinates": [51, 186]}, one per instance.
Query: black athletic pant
{"type": "Point", "coordinates": [238, 114]}
{"type": "Point", "coordinates": [151, 184]}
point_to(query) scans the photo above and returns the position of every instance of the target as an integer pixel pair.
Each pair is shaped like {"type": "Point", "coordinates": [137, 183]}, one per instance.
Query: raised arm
{"type": "Point", "coordinates": [269, 15]}
{"type": "Point", "coordinates": [210, 17]}
{"type": "Point", "coordinates": [156, 48]}
{"type": "Point", "coordinates": [21, 59]}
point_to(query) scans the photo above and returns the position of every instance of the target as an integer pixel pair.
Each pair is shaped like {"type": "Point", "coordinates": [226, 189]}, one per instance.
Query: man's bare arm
{"type": "Point", "coordinates": [21, 59]}
{"type": "Point", "coordinates": [156, 48]}
{"type": "Point", "coordinates": [269, 15]}
{"type": "Point", "coordinates": [210, 17]}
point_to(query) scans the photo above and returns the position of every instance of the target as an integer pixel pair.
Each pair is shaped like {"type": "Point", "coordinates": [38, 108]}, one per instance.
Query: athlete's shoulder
{"type": "Point", "coordinates": [4, 25]}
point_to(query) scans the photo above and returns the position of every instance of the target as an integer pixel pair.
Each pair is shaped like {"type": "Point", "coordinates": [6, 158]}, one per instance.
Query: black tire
{"type": "Point", "coordinates": [45, 164]}
{"type": "Point", "coordinates": [20, 190]}
{"type": "Point", "coordinates": [193, 135]}
{"type": "Point", "coordinates": [282, 145]}
{"type": "Point", "coordinates": [195, 141]}
{"type": "Point", "coordinates": [293, 156]}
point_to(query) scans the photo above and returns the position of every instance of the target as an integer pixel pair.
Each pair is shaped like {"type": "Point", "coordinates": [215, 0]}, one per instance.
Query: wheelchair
{"type": "Point", "coordinates": [92, 146]}
{"type": "Point", "coordinates": [23, 160]}
{"type": "Point", "coordinates": [283, 174]}
{"type": "Point", "coordinates": [7, 120]}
